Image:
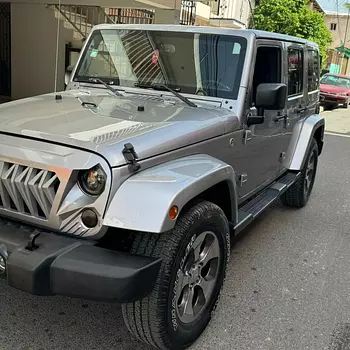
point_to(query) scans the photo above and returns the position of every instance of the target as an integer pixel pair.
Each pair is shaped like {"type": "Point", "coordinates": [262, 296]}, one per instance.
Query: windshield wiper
{"type": "Point", "coordinates": [98, 80]}
{"type": "Point", "coordinates": [164, 87]}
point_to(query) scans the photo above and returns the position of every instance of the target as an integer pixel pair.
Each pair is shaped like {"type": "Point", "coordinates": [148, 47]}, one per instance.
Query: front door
{"type": "Point", "coordinates": [259, 161]}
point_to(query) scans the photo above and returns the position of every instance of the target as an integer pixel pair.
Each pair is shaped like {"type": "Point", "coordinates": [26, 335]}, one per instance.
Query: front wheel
{"type": "Point", "coordinates": [299, 193]}
{"type": "Point", "coordinates": [194, 259]}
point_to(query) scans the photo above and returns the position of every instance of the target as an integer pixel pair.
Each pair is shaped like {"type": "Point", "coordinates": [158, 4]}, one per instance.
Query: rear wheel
{"type": "Point", "coordinates": [194, 259]}
{"type": "Point", "coordinates": [299, 193]}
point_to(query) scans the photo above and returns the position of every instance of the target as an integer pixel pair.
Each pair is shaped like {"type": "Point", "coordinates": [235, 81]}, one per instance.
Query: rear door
{"type": "Point", "coordinates": [297, 100]}
{"type": "Point", "coordinates": [312, 73]}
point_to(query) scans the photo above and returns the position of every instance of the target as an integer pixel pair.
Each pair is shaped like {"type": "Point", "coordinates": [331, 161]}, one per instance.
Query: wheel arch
{"type": "Point", "coordinates": [318, 135]}
{"type": "Point", "coordinates": [143, 201]}
{"type": "Point", "coordinates": [303, 133]}
{"type": "Point", "coordinates": [219, 194]}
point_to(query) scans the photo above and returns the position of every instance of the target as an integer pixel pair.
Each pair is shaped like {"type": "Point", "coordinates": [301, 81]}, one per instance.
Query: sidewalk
{"type": "Point", "coordinates": [337, 121]}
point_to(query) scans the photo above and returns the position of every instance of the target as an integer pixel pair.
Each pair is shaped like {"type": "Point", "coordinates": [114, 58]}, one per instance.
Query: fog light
{"type": "Point", "coordinates": [3, 259]}
{"type": "Point", "coordinates": [89, 218]}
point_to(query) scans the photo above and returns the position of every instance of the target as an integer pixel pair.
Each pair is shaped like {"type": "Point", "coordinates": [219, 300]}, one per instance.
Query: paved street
{"type": "Point", "coordinates": [287, 288]}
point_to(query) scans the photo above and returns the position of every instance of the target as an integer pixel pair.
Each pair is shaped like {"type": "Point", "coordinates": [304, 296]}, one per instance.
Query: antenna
{"type": "Point", "coordinates": [57, 43]}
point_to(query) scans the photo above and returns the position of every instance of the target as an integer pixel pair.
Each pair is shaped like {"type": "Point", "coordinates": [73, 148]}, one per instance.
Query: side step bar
{"type": "Point", "coordinates": [249, 211]}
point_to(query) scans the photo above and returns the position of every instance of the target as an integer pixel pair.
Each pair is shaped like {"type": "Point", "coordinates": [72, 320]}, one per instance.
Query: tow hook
{"type": "Point", "coordinates": [31, 241]}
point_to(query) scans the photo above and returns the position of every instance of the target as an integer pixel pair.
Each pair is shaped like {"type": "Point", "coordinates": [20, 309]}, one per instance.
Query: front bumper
{"type": "Point", "coordinates": [74, 267]}
{"type": "Point", "coordinates": [332, 99]}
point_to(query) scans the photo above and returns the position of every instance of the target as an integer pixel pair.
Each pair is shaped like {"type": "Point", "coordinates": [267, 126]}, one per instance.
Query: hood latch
{"type": "Point", "coordinates": [131, 156]}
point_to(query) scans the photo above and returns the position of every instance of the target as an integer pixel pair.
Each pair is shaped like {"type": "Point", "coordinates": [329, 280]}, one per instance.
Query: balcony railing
{"type": "Point", "coordinates": [188, 12]}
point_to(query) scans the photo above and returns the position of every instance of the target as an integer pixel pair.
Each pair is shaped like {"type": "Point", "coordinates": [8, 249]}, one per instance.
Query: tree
{"type": "Point", "coordinates": [293, 17]}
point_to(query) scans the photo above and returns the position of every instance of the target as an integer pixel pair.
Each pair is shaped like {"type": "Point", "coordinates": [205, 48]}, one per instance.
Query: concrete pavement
{"type": "Point", "coordinates": [287, 287]}
{"type": "Point", "coordinates": [337, 121]}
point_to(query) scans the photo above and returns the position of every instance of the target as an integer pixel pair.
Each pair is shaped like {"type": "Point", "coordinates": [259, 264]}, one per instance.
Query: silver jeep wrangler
{"type": "Point", "coordinates": [127, 186]}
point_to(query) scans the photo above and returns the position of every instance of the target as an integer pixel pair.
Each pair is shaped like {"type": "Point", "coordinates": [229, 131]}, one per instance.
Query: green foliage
{"type": "Point", "coordinates": [293, 17]}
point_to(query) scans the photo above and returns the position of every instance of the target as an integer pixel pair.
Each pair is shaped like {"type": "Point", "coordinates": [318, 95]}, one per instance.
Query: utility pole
{"type": "Point", "coordinates": [345, 34]}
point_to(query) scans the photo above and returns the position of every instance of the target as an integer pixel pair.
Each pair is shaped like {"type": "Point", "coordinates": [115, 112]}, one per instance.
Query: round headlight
{"type": "Point", "coordinates": [93, 181]}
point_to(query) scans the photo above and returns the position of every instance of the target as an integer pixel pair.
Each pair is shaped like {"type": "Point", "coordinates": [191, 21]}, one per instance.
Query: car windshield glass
{"type": "Point", "coordinates": [336, 81]}
{"type": "Point", "coordinates": [191, 63]}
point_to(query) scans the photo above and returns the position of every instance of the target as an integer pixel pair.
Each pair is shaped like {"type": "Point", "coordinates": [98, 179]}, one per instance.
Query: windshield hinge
{"type": "Point", "coordinates": [243, 178]}
{"type": "Point", "coordinates": [131, 156]}
{"type": "Point", "coordinates": [247, 136]}
{"type": "Point", "coordinates": [282, 157]}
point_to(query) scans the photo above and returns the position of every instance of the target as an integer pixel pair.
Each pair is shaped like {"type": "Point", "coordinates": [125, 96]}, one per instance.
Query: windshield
{"type": "Point", "coordinates": [192, 63]}
{"type": "Point", "coordinates": [336, 81]}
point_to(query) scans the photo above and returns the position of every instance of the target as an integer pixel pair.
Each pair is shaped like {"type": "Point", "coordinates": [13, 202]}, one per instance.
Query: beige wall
{"type": "Point", "coordinates": [33, 47]}
{"type": "Point", "coordinates": [338, 34]}
{"type": "Point", "coordinates": [141, 4]}
{"type": "Point", "coordinates": [234, 13]}
{"type": "Point", "coordinates": [166, 16]}
{"type": "Point", "coordinates": [33, 50]}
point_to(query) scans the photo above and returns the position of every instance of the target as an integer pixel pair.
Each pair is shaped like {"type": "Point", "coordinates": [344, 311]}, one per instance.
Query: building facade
{"type": "Point", "coordinates": [222, 13]}
{"type": "Point", "coordinates": [338, 59]}
{"type": "Point", "coordinates": [31, 29]}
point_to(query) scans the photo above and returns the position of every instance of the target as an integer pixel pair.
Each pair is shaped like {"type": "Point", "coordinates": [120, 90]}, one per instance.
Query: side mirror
{"type": "Point", "coordinates": [271, 96]}
{"type": "Point", "coordinates": [68, 74]}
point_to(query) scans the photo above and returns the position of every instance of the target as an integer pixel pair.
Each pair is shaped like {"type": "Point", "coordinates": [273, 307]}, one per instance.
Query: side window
{"type": "Point", "coordinates": [295, 71]}
{"type": "Point", "coordinates": [267, 67]}
{"type": "Point", "coordinates": [313, 70]}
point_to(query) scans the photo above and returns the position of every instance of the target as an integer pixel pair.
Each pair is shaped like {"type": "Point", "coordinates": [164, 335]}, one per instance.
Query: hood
{"type": "Point", "coordinates": [334, 89]}
{"type": "Point", "coordinates": [106, 122]}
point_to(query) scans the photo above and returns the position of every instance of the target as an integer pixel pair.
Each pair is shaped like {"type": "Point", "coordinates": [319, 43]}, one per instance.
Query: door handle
{"type": "Point", "coordinates": [301, 109]}
{"type": "Point", "coordinates": [285, 118]}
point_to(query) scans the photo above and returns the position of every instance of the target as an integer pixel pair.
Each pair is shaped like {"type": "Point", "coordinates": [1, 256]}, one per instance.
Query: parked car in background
{"type": "Point", "coordinates": [334, 91]}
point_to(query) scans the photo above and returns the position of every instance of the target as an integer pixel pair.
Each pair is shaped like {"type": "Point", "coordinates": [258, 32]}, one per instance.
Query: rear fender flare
{"type": "Point", "coordinates": [143, 201]}
{"type": "Point", "coordinates": [299, 144]}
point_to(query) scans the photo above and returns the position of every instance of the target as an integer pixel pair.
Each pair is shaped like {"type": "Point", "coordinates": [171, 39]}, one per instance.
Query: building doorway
{"type": "Point", "coordinates": [5, 52]}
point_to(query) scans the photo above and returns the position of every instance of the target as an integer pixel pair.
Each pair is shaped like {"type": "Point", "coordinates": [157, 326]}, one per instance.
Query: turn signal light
{"type": "Point", "coordinates": [173, 211]}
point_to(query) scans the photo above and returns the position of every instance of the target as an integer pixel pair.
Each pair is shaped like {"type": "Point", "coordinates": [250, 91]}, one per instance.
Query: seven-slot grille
{"type": "Point", "coordinates": [27, 190]}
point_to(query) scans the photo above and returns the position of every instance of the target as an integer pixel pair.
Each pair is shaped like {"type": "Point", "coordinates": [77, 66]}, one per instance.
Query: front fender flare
{"type": "Point", "coordinates": [302, 136]}
{"type": "Point", "coordinates": [143, 201]}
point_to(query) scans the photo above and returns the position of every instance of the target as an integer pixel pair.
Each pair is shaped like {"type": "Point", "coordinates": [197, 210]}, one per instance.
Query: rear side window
{"type": "Point", "coordinates": [313, 70]}
{"type": "Point", "coordinates": [295, 71]}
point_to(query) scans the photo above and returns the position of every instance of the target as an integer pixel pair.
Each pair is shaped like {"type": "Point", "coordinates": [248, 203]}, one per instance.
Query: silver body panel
{"type": "Point", "coordinates": [160, 187]}
{"type": "Point", "coordinates": [162, 127]}
{"type": "Point", "coordinates": [182, 150]}
{"type": "Point", "coordinates": [300, 141]}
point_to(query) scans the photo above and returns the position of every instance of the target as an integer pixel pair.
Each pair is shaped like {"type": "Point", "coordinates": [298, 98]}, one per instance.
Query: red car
{"type": "Point", "coordinates": [334, 90]}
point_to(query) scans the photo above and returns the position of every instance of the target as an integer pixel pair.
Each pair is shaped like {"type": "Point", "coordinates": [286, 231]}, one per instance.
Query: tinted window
{"type": "Point", "coordinates": [295, 71]}
{"type": "Point", "coordinates": [204, 64]}
{"type": "Point", "coordinates": [313, 71]}
{"type": "Point", "coordinates": [267, 67]}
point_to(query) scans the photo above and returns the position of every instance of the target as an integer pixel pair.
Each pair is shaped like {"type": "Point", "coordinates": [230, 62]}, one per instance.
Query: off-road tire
{"type": "Point", "coordinates": [295, 196]}
{"type": "Point", "coordinates": [154, 319]}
